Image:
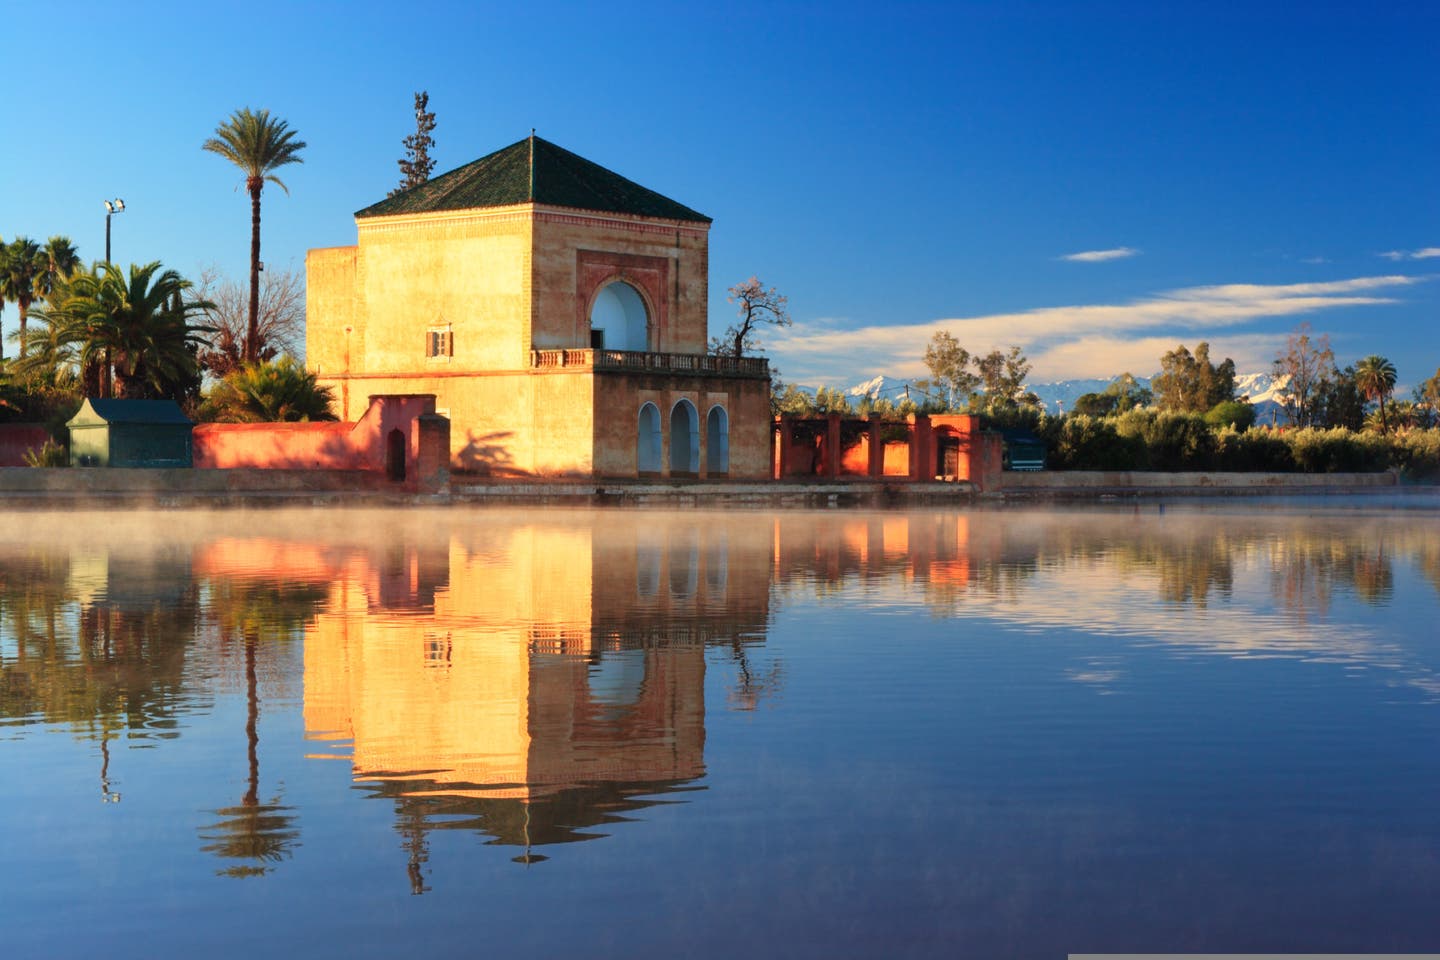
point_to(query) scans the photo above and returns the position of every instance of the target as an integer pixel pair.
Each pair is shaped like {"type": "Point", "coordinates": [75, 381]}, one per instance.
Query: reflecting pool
{"type": "Point", "coordinates": [999, 733]}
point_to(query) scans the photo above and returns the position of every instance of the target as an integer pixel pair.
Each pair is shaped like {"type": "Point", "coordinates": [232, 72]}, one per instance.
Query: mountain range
{"type": "Point", "coordinates": [1060, 395]}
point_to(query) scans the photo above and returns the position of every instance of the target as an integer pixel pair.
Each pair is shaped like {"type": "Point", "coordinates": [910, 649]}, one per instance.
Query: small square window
{"type": "Point", "coordinates": [439, 342]}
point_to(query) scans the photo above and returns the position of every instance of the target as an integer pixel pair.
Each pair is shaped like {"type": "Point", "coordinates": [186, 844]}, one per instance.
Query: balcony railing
{"type": "Point", "coordinates": [644, 362]}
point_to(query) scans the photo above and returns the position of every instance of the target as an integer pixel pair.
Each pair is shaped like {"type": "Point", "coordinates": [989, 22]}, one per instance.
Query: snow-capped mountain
{"type": "Point", "coordinates": [1058, 396]}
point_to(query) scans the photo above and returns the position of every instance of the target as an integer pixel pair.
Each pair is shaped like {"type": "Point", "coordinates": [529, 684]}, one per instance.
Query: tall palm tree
{"type": "Point", "coordinates": [1375, 377]}
{"type": "Point", "coordinates": [25, 263]}
{"type": "Point", "coordinates": [64, 261]}
{"type": "Point", "coordinates": [257, 145]}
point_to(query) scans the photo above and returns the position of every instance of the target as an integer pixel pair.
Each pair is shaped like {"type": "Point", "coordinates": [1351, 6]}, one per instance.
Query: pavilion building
{"type": "Point", "coordinates": [557, 312]}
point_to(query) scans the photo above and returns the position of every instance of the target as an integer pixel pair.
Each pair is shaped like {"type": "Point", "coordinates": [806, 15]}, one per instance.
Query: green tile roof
{"type": "Point", "coordinates": [533, 170]}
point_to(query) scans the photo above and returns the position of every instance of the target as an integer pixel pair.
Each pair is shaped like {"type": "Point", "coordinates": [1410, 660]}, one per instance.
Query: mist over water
{"type": "Point", "coordinates": [1163, 728]}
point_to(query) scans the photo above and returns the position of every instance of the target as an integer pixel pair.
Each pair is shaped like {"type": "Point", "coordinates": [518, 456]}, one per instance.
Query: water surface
{"type": "Point", "coordinates": [1007, 733]}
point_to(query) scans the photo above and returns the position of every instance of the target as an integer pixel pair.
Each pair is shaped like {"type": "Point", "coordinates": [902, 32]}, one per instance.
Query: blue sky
{"type": "Point", "coordinates": [893, 168]}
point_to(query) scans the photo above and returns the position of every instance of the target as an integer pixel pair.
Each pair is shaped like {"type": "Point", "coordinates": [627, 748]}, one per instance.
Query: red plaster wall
{"type": "Point", "coordinates": [316, 446]}
{"type": "Point", "coordinates": [18, 438]}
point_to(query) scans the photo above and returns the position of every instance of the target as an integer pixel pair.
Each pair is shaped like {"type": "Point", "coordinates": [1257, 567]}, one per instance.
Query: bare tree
{"type": "Point", "coordinates": [1308, 366]}
{"type": "Point", "coordinates": [280, 319]}
{"type": "Point", "coordinates": [755, 306]}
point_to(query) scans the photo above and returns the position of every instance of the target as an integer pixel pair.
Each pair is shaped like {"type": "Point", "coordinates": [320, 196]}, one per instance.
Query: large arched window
{"type": "Point", "coordinates": [684, 439]}
{"type": "Point", "coordinates": [717, 442]}
{"type": "Point", "coordinates": [618, 320]}
{"type": "Point", "coordinates": [647, 440]}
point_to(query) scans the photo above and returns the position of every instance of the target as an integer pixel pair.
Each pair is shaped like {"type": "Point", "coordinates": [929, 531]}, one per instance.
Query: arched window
{"type": "Point", "coordinates": [717, 442]}
{"type": "Point", "coordinates": [647, 440]}
{"type": "Point", "coordinates": [618, 320]}
{"type": "Point", "coordinates": [684, 439]}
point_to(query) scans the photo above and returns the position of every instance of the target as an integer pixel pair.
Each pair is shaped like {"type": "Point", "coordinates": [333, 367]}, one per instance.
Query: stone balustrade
{"type": "Point", "coordinates": [646, 362]}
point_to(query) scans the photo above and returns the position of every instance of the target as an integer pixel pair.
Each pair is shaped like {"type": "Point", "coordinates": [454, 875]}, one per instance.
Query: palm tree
{"type": "Point", "coordinates": [64, 261]}
{"type": "Point", "coordinates": [257, 145]}
{"type": "Point", "coordinates": [279, 391]}
{"type": "Point", "coordinates": [25, 263]}
{"type": "Point", "coordinates": [136, 330]}
{"type": "Point", "coordinates": [1375, 377]}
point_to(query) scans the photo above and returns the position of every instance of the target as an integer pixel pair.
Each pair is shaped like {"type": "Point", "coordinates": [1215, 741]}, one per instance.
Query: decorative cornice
{"type": "Point", "coordinates": [521, 212]}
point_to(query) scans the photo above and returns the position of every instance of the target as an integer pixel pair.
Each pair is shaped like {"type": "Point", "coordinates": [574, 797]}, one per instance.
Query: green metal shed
{"type": "Point", "coordinates": [130, 433]}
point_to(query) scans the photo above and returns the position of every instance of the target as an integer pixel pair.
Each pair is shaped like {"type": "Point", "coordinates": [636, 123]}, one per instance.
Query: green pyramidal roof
{"type": "Point", "coordinates": [533, 171]}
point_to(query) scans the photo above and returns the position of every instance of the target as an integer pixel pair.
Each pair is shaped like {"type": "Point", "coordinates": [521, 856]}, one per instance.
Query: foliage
{"type": "Point", "coordinates": [1308, 367]}
{"type": "Point", "coordinates": [1190, 383]}
{"type": "Point", "coordinates": [1082, 442]}
{"type": "Point", "coordinates": [280, 324]}
{"type": "Point", "coordinates": [790, 400]}
{"type": "Point", "coordinates": [1341, 404]}
{"type": "Point", "coordinates": [1003, 374]}
{"type": "Point", "coordinates": [48, 454]}
{"type": "Point", "coordinates": [1375, 379]}
{"type": "Point", "coordinates": [1173, 441]}
{"type": "Point", "coordinates": [127, 337]}
{"type": "Point", "coordinates": [279, 391]}
{"type": "Point", "coordinates": [1123, 393]}
{"type": "Point", "coordinates": [949, 368]}
{"type": "Point", "coordinates": [1241, 450]}
{"type": "Point", "coordinates": [1429, 393]}
{"type": "Point", "coordinates": [415, 169]}
{"type": "Point", "coordinates": [755, 306]}
{"type": "Point", "coordinates": [1337, 450]}
{"type": "Point", "coordinates": [23, 265]}
{"type": "Point", "coordinates": [1417, 453]}
{"type": "Point", "coordinates": [258, 145]}
{"type": "Point", "coordinates": [828, 400]}
{"type": "Point", "coordinates": [1231, 413]}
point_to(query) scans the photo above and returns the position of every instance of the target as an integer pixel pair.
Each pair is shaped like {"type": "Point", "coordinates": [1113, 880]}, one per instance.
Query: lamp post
{"type": "Point", "coordinates": [112, 207]}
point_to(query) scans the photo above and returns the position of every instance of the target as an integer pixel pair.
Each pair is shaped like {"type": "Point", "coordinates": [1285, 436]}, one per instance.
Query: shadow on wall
{"type": "Point", "coordinates": [487, 455]}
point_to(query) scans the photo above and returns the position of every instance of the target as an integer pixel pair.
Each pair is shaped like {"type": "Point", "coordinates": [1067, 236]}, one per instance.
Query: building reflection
{"type": "Point", "coordinates": [542, 681]}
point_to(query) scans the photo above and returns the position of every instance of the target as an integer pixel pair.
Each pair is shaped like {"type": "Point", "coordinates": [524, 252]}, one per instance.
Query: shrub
{"type": "Point", "coordinates": [1253, 450]}
{"type": "Point", "coordinates": [1337, 450]}
{"type": "Point", "coordinates": [1231, 413]}
{"type": "Point", "coordinates": [1089, 443]}
{"type": "Point", "coordinates": [1173, 441]}
{"type": "Point", "coordinates": [1417, 453]}
{"type": "Point", "coordinates": [49, 454]}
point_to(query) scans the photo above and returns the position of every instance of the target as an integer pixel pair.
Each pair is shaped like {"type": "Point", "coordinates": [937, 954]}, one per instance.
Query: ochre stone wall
{"type": "Point", "coordinates": [575, 422]}
{"type": "Point", "coordinates": [332, 330]}
{"type": "Point", "coordinates": [577, 253]}
{"type": "Point", "coordinates": [619, 397]}
{"type": "Point", "coordinates": [467, 272]}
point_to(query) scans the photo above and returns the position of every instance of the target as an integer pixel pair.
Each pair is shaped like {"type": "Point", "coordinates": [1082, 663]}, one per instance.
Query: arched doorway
{"type": "Point", "coordinates": [395, 455]}
{"type": "Point", "coordinates": [619, 320]}
{"type": "Point", "coordinates": [947, 454]}
{"type": "Point", "coordinates": [717, 442]}
{"type": "Point", "coordinates": [684, 440]}
{"type": "Point", "coordinates": [647, 441]}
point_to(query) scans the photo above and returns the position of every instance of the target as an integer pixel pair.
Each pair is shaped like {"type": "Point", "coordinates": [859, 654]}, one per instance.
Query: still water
{"type": "Point", "coordinates": [1014, 733]}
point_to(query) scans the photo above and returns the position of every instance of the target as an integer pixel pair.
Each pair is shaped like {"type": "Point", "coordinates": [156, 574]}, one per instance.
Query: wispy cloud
{"type": "Point", "coordinates": [1082, 340]}
{"type": "Point", "coordinates": [1099, 256]}
{"type": "Point", "coordinates": [1424, 253]}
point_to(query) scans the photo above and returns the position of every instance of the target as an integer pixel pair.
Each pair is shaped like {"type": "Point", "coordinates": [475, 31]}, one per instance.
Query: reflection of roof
{"type": "Point", "coordinates": [533, 171]}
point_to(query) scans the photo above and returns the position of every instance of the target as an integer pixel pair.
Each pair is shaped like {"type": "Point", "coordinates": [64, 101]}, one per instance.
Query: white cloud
{"type": "Point", "coordinates": [1099, 256]}
{"type": "Point", "coordinates": [1082, 340]}
{"type": "Point", "coordinates": [1424, 253]}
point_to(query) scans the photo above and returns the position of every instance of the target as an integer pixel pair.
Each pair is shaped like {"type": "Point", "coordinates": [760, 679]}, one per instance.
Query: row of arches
{"type": "Point", "coordinates": [684, 445]}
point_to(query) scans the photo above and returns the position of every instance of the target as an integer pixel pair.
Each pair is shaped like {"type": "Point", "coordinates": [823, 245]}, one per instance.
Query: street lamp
{"type": "Point", "coordinates": [112, 207]}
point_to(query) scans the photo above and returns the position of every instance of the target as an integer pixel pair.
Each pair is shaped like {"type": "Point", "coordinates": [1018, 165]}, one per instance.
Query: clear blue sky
{"type": "Point", "coordinates": [1232, 169]}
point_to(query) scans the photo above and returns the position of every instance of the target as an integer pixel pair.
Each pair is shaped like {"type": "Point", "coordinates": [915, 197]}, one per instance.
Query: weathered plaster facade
{"type": "Point", "coordinates": [496, 310]}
